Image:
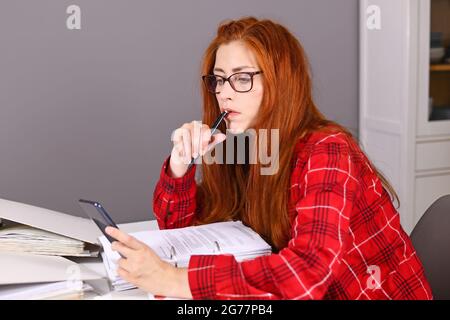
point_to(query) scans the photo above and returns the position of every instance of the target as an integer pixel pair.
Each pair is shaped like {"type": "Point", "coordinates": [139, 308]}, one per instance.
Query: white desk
{"type": "Point", "coordinates": [96, 265]}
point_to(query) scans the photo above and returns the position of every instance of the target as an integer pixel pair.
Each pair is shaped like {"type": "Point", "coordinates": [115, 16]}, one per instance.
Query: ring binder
{"type": "Point", "coordinates": [177, 246]}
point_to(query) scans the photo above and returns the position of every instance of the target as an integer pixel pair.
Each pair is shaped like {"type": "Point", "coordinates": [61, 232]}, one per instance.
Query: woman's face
{"type": "Point", "coordinates": [232, 58]}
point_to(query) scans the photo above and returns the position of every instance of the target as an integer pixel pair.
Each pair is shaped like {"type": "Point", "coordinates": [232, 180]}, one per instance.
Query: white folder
{"type": "Point", "coordinates": [67, 225]}
{"type": "Point", "coordinates": [21, 268]}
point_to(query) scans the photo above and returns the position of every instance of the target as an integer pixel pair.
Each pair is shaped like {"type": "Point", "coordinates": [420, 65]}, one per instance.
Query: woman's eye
{"type": "Point", "coordinates": [243, 79]}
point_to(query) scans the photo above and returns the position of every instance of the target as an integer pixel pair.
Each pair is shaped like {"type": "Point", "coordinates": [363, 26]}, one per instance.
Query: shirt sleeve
{"type": "Point", "coordinates": [304, 269]}
{"type": "Point", "coordinates": [174, 202]}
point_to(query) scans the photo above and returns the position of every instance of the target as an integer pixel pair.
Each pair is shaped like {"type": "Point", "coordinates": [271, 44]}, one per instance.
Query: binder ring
{"type": "Point", "coordinates": [217, 249]}
{"type": "Point", "coordinates": [173, 256]}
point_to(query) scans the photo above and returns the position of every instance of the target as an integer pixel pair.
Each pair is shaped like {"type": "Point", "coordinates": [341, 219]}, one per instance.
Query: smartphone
{"type": "Point", "coordinates": [98, 214]}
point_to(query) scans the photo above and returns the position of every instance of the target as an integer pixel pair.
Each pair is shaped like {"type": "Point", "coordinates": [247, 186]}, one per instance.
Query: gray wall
{"type": "Point", "coordinates": [89, 113]}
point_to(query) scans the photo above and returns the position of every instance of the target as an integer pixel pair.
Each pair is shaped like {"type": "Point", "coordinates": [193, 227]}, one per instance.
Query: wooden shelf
{"type": "Point", "coordinates": [440, 67]}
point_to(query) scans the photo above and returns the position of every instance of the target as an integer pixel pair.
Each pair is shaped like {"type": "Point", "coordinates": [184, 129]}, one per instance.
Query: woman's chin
{"type": "Point", "coordinates": [236, 130]}
{"type": "Point", "coordinates": [236, 127]}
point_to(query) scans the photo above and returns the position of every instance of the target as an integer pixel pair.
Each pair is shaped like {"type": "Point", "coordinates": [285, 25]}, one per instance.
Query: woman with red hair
{"type": "Point", "coordinates": [326, 211]}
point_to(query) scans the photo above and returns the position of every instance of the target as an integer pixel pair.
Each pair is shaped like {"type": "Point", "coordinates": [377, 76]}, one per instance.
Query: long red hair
{"type": "Point", "coordinates": [239, 192]}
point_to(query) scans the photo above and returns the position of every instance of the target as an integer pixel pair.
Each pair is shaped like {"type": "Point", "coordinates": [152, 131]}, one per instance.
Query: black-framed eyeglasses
{"type": "Point", "coordinates": [240, 81]}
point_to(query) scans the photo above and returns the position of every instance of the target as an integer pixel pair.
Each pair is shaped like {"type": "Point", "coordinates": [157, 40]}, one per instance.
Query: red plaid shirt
{"type": "Point", "coordinates": [346, 238]}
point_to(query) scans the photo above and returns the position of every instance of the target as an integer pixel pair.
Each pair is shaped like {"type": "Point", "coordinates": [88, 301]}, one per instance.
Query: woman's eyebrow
{"type": "Point", "coordinates": [233, 70]}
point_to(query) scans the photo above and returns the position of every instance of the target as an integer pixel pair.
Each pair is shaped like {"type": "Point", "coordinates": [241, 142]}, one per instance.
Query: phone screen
{"type": "Point", "coordinates": [98, 214]}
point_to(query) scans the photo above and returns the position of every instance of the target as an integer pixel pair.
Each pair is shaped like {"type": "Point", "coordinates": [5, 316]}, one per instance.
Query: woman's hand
{"type": "Point", "coordinates": [143, 267]}
{"type": "Point", "coordinates": [190, 141]}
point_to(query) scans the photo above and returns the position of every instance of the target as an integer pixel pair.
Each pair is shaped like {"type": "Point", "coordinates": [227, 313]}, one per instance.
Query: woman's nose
{"type": "Point", "coordinates": [226, 91]}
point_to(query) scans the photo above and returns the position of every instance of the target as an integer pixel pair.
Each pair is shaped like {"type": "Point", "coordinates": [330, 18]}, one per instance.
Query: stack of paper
{"type": "Point", "coordinates": [21, 238]}
{"type": "Point", "coordinates": [32, 243]}
{"type": "Point", "coordinates": [177, 245]}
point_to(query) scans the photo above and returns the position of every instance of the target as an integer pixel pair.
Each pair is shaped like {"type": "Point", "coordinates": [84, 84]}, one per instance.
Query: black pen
{"type": "Point", "coordinates": [214, 126]}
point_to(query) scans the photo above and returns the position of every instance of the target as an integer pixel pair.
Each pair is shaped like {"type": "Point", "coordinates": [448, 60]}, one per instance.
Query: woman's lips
{"type": "Point", "coordinates": [233, 114]}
